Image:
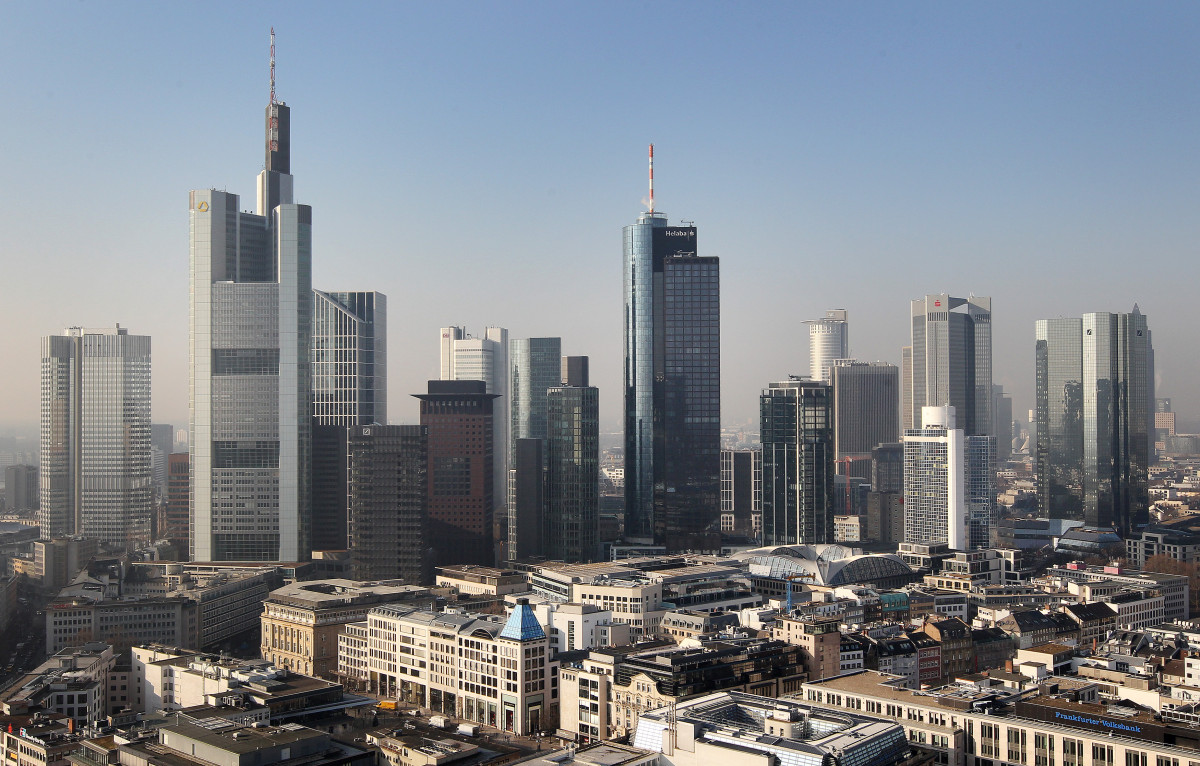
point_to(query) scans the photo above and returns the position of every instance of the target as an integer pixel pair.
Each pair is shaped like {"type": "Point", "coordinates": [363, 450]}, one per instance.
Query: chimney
{"type": "Point", "coordinates": [1008, 666]}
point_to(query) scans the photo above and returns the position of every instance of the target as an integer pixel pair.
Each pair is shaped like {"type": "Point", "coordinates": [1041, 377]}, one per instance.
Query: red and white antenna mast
{"type": "Point", "coordinates": [651, 177]}
{"type": "Point", "coordinates": [272, 65]}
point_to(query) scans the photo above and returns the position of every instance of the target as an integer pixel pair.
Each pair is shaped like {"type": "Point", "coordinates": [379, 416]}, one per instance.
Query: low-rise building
{"type": "Point", "coordinates": [73, 683]}
{"type": "Point", "coordinates": [482, 668]}
{"type": "Point", "coordinates": [573, 627]}
{"type": "Point", "coordinates": [734, 727]}
{"type": "Point", "coordinates": [301, 621]}
{"type": "Point", "coordinates": [482, 581]}
{"type": "Point", "coordinates": [175, 679]}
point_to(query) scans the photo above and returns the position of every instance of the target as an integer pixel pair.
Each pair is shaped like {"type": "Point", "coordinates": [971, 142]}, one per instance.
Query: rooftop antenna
{"type": "Point", "coordinates": [651, 164]}
{"type": "Point", "coordinates": [272, 65]}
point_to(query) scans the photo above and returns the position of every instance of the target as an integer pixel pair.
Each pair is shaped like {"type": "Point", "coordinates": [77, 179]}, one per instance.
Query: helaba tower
{"type": "Point", "coordinates": [672, 385]}
{"type": "Point", "coordinates": [250, 386]}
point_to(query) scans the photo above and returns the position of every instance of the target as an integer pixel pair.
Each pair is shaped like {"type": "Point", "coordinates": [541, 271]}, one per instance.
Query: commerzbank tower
{"type": "Point", "coordinates": [250, 385]}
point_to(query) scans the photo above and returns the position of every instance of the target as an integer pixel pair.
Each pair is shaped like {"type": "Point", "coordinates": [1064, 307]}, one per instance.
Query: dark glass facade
{"type": "Point", "coordinates": [1094, 394]}
{"type": "Point", "coordinates": [458, 414]}
{"type": "Point", "coordinates": [797, 463]}
{"type": "Point", "coordinates": [572, 473]}
{"type": "Point", "coordinates": [526, 500]}
{"type": "Point", "coordinates": [866, 398]}
{"type": "Point", "coordinates": [672, 387]}
{"type": "Point", "coordinates": [1058, 411]}
{"type": "Point", "coordinates": [386, 487]}
{"type": "Point", "coordinates": [535, 365]}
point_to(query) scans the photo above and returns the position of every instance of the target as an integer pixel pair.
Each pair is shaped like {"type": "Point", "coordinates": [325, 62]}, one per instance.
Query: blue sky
{"type": "Point", "coordinates": [476, 162]}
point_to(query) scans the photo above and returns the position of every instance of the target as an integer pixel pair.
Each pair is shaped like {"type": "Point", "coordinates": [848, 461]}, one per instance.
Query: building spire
{"type": "Point", "coordinates": [651, 177]}
{"type": "Point", "coordinates": [272, 65]}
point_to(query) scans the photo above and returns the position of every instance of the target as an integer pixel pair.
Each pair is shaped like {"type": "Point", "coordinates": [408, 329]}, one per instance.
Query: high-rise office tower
{"type": "Point", "coordinates": [828, 340]}
{"type": "Point", "coordinates": [535, 366]}
{"type": "Point", "coordinates": [1164, 423]}
{"type": "Point", "coordinates": [464, 357]}
{"type": "Point", "coordinates": [573, 471]}
{"type": "Point", "coordinates": [672, 386]}
{"type": "Point", "coordinates": [1002, 407]}
{"type": "Point", "coordinates": [21, 488]}
{"type": "Point", "coordinates": [526, 505]}
{"type": "Point", "coordinates": [906, 390]}
{"type": "Point", "coordinates": [866, 399]}
{"type": "Point", "coordinates": [459, 416]}
{"type": "Point", "coordinates": [797, 462]}
{"type": "Point", "coordinates": [952, 359]}
{"type": "Point", "coordinates": [741, 487]}
{"type": "Point", "coordinates": [349, 358]}
{"type": "Point", "coordinates": [175, 516]}
{"type": "Point", "coordinates": [95, 456]}
{"type": "Point", "coordinates": [387, 486]}
{"type": "Point", "coordinates": [251, 368]}
{"type": "Point", "coordinates": [349, 374]}
{"type": "Point", "coordinates": [162, 444]}
{"type": "Point", "coordinates": [949, 485]}
{"type": "Point", "coordinates": [1093, 418]}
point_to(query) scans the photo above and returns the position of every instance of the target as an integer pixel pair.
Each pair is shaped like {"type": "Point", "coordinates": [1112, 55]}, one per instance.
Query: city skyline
{"type": "Point", "coordinates": [969, 147]}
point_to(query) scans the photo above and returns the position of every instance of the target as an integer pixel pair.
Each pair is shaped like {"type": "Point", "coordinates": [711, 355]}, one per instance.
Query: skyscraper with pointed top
{"type": "Point", "coordinates": [672, 385]}
{"type": "Point", "coordinates": [250, 383]}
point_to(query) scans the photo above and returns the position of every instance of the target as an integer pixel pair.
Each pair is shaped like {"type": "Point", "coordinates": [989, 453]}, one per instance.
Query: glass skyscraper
{"type": "Point", "coordinates": [251, 366]}
{"type": "Point", "coordinates": [1095, 390]}
{"type": "Point", "coordinates": [1058, 450]}
{"type": "Point", "coordinates": [672, 387]}
{"type": "Point", "coordinates": [796, 428]}
{"type": "Point", "coordinates": [828, 340]}
{"type": "Point", "coordinates": [95, 436]}
{"type": "Point", "coordinates": [535, 366]}
{"type": "Point", "coordinates": [952, 360]}
{"type": "Point", "coordinates": [349, 358]}
{"type": "Point", "coordinates": [572, 473]}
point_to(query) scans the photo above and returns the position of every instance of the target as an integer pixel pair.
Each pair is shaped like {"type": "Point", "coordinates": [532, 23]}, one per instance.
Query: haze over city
{"type": "Point", "coordinates": [476, 163]}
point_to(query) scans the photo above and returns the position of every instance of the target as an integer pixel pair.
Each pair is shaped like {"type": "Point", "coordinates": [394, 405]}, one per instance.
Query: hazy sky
{"type": "Point", "coordinates": [476, 162]}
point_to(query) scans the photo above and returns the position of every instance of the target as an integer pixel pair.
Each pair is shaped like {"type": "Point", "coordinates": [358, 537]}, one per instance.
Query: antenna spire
{"type": "Point", "coordinates": [651, 166]}
{"type": "Point", "coordinates": [272, 65]}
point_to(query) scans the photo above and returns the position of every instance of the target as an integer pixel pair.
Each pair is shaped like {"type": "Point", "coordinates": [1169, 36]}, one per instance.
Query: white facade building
{"type": "Point", "coordinates": [95, 459]}
{"type": "Point", "coordinates": [481, 668]}
{"type": "Point", "coordinates": [828, 339]}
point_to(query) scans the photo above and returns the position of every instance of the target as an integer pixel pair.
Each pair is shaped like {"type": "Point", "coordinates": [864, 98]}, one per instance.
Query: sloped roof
{"type": "Point", "coordinates": [522, 625]}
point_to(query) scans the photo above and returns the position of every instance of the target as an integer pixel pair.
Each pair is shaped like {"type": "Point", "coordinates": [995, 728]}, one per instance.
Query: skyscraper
{"type": "Point", "coordinates": [828, 339]}
{"type": "Point", "coordinates": [349, 358]}
{"type": "Point", "coordinates": [387, 487]}
{"type": "Point", "coordinates": [1093, 418]}
{"type": "Point", "coordinates": [866, 399]}
{"type": "Point", "coordinates": [741, 487]}
{"type": "Point", "coordinates": [251, 365]}
{"type": "Point", "coordinates": [95, 456]}
{"type": "Point", "coordinates": [459, 416]}
{"type": "Point", "coordinates": [672, 386]}
{"type": "Point", "coordinates": [527, 500]}
{"type": "Point", "coordinates": [175, 516]}
{"type": "Point", "coordinates": [349, 373]}
{"type": "Point", "coordinates": [573, 471]}
{"type": "Point", "coordinates": [535, 366]}
{"type": "Point", "coordinates": [949, 484]}
{"type": "Point", "coordinates": [952, 359]}
{"type": "Point", "coordinates": [464, 357]}
{"type": "Point", "coordinates": [797, 462]}
{"type": "Point", "coordinates": [935, 465]}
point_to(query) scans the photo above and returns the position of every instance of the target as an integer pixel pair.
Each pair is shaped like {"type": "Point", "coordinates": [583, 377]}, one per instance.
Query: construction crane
{"type": "Point", "coordinates": [809, 576]}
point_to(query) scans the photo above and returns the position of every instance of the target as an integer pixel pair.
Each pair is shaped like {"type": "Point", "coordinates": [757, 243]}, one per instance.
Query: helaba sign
{"type": "Point", "coordinates": [1099, 722]}
{"type": "Point", "coordinates": [679, 233]}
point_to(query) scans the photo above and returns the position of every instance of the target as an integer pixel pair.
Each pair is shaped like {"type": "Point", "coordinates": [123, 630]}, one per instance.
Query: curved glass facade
{"type": "Point", "coordinates": [672, 386]}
